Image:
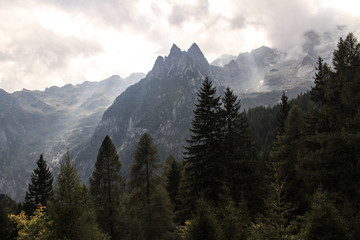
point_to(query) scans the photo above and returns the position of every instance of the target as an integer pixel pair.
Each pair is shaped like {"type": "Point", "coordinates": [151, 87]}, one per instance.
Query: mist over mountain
{"type": "Point", "coordinates": [79, 117]}
{"type": "Point", "coordinates": [49, 122]}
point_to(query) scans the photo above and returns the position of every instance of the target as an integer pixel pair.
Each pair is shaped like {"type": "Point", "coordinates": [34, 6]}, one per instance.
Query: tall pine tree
{"type": "Point", "coordinates": [283, 113]}
{"type": "Point", "coordinates": [106, 186]}
{"type": "Point", "coordinates": [203, 160]}
{"type": "Point", "coordinates": [40, 189]}
{"type": "Point", "coordinates": [240, 166]}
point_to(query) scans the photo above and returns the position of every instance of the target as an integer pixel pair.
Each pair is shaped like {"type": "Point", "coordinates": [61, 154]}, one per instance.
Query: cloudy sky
{"type": "Point", "coordinates": [54, 42]}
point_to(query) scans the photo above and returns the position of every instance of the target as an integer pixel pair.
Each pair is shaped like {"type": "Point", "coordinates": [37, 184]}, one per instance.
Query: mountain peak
{"type": "Point", "coordinates": [175, 50]}
{"type": "Point", "coordinates": [196, 54]}
{"type": "Point", "coordinates": [194, 49]}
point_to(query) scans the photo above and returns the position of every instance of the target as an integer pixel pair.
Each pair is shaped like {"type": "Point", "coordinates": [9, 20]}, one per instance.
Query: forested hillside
{"type": "Point", "coordinates": [287, 172]}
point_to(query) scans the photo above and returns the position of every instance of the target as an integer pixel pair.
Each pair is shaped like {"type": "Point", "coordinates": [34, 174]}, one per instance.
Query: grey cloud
{"type": "Point", "coordinates": [187, 12]}
{"type": "Point", "coordinates": [238, 22]}
{"type": "Point", "coordinates": [110, 13]}
{"type": "Point", "coordinates": [312, 39]}
{"type": "Point", "coordinates": [31, 58]}
{"type": "Point", "coordinates": [50, 49]}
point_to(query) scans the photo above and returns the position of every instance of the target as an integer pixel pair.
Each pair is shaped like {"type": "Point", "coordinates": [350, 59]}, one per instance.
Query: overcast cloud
{"type": "Point", "coordinates": [54, 42]}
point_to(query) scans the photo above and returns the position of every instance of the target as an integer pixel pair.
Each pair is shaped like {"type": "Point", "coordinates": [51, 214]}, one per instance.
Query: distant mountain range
{"type": "Point", "coordinates": [161, 103]}
{"type": "Point", "coordinates": [48, 122]}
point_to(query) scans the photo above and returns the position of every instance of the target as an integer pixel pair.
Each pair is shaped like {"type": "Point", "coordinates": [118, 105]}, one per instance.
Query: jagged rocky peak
{"type": "Point", "coordinates": [158, 66]}
{"type": "Point", "coordinates": [179, 60]}
{"type": "Point", "coordinates": [196, 54]}
{"type": "Point", "coordinates": [265, 56]}
{"type": "Point", "coordinates": [175, 52]}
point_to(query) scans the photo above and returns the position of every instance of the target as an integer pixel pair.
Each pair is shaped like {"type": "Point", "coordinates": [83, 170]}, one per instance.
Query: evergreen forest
{"type": "Point", "coordinates": [291, 171]}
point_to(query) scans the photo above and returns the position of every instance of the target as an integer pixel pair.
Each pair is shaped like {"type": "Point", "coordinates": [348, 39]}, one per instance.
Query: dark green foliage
{"type": "Point", "coordinates": [150, 214]}
{"type": "Point", "coordinates": [153, 221]}
{"type": "Point", "coordinates": [233, 218]}
{"type": "Point", "coordinates": [5, 227]}
{"type": "Point", "coordinates": [321, 76]}
{"type": "Point", "coordinates": [72, 209]}
{"type": "Point", "coordinates": [8, 206]}
{"type": "Point", "coordinates": [173, 178]}
{"type": "Point", "coordinates": [323, 221]}
{"type": "Point", "coordinates": [331, 158]}
{"type": "Point", "coordinates": [263, 124]}
{"type": "Point", "coordinates": [203, 148]}
{"type": "Point", "coordinates": [241, 169]}
{"type": "Point", "coordinates": [106, 185]}
{"type": "Point", "coordinates": [8, 229]}
{"type": "Point", "coordinates": [204, 224]}
{"type": "Point", "coordinates": [40, 189]}
{"type": "Point", "coordinates": [283, 113]}
{"type": "Point", "coordinates": [146, 165]}
{"type": "Point", "coordinates": [285, 153]}
{"type": "Point", "coordinates": [276, 223]}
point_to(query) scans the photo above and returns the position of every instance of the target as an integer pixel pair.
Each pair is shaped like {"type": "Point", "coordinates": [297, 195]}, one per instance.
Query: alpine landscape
{"type": "Point", "coordinates": [237, 120]}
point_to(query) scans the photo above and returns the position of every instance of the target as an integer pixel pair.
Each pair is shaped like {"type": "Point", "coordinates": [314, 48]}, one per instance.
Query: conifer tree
{"type": "Point", "coordinates": [240, 166]}
{"type": "Point", "coordinates": [331, 158]}
{"type": "Point", "coordinates": [40, 189]}
{"type": "Point", "coordinates": [173, 178]}
{"type": "Point", "coordinates": [204, 164]}
{"type": "Point", "coordinates": [204, 224]}
{"type": "Point", "coordinates": [323, 220]}
{"type": "Point", "coordinates": [283, 113]}
{"type": "Point", "coordinates": [321, 77]}
{"type": "Point", "coordinates": [234, 218]}
{"type": "Point", "coordinates": [286, 153]}
{"type": "Point", "coordinates": [150, 214]}
{"type": "Point", "coordinates": [5, 226]}
{"type": "Point", "coordinates": [146, 164]}
{"type": "Point", "coordinates": [106, 186]}
{"type": "Point", "coordinates": [276, 223]}
{"type": "Point", "coordinates": [72, 209]}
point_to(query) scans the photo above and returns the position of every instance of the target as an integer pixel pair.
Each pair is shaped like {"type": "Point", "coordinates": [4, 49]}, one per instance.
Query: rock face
{"type": "Point", "coordinates": [48, 122]}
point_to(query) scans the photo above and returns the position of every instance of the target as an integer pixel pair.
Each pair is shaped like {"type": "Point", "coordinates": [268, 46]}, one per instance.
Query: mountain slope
{"type": "Point", "coordinates": [49, 122]}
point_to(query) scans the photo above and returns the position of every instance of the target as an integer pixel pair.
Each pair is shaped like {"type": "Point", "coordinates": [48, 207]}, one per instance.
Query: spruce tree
{"type": "Point", "coordinates": [240, 166]}
{"type": "Point", "coordinates": [106, 186]}
{"type": "Point", "coordinates": [71, 208]}
{"type": "Point", "coordinates": [203, 160]}
{"type": "Point", "coordinates": [283, 113]}
{"type": "Point", "coordinates": [322, 75]}
{"type": "Point", "coordinates": [40, 189]}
